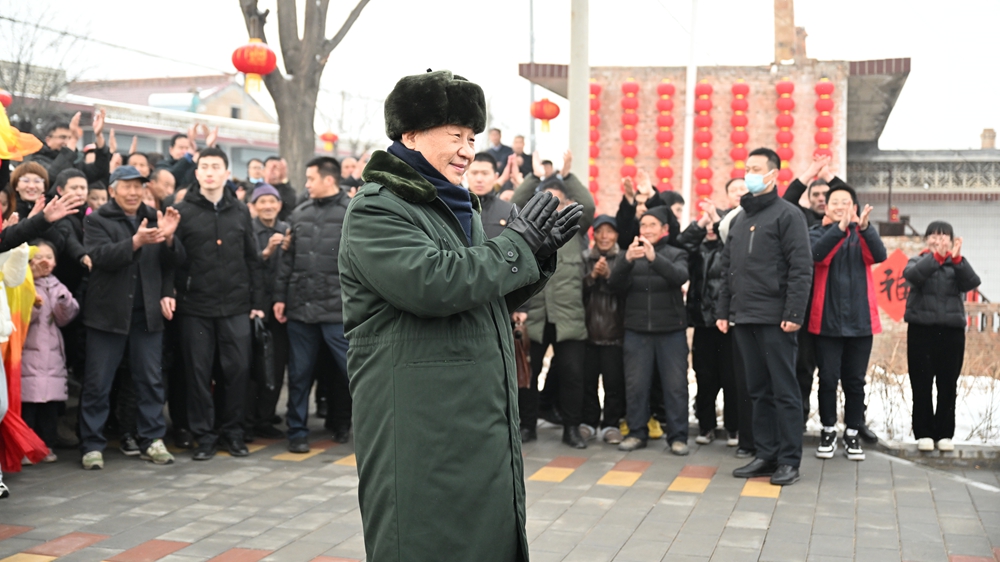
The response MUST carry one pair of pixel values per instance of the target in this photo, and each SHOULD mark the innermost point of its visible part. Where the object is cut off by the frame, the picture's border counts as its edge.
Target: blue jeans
(304, 341)
(669, 350)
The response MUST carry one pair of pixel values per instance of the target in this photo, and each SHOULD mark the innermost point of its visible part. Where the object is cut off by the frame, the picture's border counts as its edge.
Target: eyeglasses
(27, 180)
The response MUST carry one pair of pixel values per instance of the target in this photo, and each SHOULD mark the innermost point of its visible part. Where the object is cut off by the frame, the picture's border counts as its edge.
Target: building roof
(138, 91)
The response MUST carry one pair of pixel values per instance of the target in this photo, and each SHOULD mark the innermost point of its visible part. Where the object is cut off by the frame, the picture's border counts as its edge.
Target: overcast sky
(950, 96)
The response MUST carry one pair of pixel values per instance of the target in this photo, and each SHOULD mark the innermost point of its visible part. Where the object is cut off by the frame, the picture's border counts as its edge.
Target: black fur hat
(424, 101)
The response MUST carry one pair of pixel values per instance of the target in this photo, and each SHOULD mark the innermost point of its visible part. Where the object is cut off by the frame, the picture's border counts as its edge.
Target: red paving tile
(996, 553)
(241, 555)
(8, 531)
(149, 551)
(632, 466)
(760, 479)
(333, 559)
(695, 471)
(961, 558)
(567, 462)
(66, 544)
(323, 444)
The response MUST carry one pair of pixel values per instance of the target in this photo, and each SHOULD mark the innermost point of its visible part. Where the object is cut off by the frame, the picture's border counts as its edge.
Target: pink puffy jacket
(43, 361)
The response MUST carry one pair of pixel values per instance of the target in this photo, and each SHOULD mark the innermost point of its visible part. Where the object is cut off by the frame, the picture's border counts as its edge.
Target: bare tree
(304, 55)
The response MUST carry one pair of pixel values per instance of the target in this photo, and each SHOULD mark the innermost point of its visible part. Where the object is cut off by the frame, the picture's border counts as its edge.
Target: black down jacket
(603, 305)
(222, 275)
(707, 277)
(936, 289)
(494, 215)
(309, 278)
(654, 301)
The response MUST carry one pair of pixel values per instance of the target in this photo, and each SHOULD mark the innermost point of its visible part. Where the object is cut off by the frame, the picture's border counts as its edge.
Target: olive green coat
(432, 372)
(562, 300)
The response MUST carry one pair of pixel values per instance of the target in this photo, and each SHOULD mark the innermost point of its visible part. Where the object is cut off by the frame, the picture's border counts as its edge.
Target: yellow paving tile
(760, 489)
(688, 484)
(22, 557)
(349, 460)
(551, 474)
(619, 478)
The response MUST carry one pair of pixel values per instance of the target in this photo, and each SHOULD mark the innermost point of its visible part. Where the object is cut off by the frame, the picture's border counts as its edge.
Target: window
(235, 112)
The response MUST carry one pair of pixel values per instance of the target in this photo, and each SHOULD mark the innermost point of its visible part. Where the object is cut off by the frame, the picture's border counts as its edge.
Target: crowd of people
(158, 283)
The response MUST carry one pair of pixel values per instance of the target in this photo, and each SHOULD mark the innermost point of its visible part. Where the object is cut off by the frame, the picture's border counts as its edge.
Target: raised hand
(628, 189)
(647, 248)
(536, 165)
(168, 222)
(643, 183)
(75, 130)
(535, 221)
(192, 139)
(567, 163)
(211, 137)
(112, 142)
(505, 176)
(99, 117)
(146, 235)
(59, 207)
(635, 250)
(845, 220)
(956, 249)
(567, 224)
(116, 162)
(863, 220)
(134, 146)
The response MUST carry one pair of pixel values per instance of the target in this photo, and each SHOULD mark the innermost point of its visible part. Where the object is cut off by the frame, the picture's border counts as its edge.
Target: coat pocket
(440, 363)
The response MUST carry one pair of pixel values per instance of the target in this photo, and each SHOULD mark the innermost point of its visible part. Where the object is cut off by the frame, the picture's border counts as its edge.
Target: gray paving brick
(831, 545)
(691, 543)
(590, 553)
(783, 550)
(828, 525)
(730, 554)
(968, 545)
(914, 551)
(742, 538)
(876, 555)
(637, 550)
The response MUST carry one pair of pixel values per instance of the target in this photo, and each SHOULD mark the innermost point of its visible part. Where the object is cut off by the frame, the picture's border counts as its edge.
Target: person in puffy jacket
(935, 348)
(43, 362)
(844, 314)
(653, 272)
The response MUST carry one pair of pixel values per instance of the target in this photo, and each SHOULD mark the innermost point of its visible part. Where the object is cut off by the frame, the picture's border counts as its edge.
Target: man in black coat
(66, 234)
(307, 296)
(59, 151)
(276, 174)
(484, 182)
(768, 267)
(131, 290)
(219, 289)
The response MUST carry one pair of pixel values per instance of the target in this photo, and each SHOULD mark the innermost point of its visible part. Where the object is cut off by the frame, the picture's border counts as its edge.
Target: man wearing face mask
(768, 272)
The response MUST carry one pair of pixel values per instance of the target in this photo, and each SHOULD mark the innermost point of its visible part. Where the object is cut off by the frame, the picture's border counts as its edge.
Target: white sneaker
(587, 432)
(157, 453)
(705, 438)
(925, 444)
(945, 445)
(51, 457)
(4, 491)
(93, 460)
(733, 439)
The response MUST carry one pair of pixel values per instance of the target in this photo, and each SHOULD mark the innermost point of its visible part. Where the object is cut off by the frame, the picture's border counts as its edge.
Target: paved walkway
(592, 505)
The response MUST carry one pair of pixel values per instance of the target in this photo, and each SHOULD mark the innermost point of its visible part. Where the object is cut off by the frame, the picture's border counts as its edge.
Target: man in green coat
(427, 301)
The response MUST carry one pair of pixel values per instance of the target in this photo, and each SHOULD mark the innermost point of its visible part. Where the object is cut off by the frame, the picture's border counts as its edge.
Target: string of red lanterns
(630, 103)
(703, 138)
(739, 136)
(784, 121)
(664, 137)
(595, 122)
(824, 121)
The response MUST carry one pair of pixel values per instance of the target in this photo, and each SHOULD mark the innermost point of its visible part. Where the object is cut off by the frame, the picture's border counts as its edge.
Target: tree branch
(288, 36)
(330, 44)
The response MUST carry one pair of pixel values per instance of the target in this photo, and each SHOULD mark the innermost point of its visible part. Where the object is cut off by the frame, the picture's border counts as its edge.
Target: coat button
(513, 270)
(510, 254)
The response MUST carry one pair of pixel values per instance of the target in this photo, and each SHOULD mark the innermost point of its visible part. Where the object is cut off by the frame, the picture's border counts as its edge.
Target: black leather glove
(567, 224)
(535, 221)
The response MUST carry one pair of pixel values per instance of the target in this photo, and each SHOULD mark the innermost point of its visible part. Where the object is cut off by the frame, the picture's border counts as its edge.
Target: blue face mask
(755, 183)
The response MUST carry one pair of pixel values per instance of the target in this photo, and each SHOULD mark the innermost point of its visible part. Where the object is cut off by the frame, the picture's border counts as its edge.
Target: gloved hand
(535, 221)
(567, 224)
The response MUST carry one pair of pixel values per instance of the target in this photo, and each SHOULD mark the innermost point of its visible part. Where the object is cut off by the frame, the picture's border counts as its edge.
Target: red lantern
(664, 153)
(786, 104)
(702, 121)
(664, 136)
(595, 104)
(785, 154)
(594, 188)
(784, 137)
(630, 103)
(823, 137)
(628, 170)
(328, 139)
(702, 105)
(630, 87)
(629, 135)
(894, 214)
(703, 137)
(703, 173)
(595, 89)
(824, 122)
(664, 105)
(665, 89)
(545, 111)
(739, 121)
(823, 152)
(784, 121)
(785, 87)
(630, 119)
(594, 135)
(664, 172)
(595, 121)
(741, 89)
(737, 173)
(6, 98)
(703, 153)
(629, 151)
(594, 151)
(664, 120)
(824, 104)
(594, 171)
(703, 89)
(703, 189)
(739, 137)
(738, 154)
(785, 175)
(255, 59)
(739, 105)
(824, 88)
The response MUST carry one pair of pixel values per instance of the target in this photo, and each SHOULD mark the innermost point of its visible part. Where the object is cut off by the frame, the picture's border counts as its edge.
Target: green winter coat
(432, 372)
(562, 300)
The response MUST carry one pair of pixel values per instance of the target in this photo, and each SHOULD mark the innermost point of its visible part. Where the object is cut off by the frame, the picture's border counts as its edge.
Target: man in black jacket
(66, 234)
(59, 151)
(768, 268)
(131, 290)
(483, 182)
(307, 297)
(275, 174)
(219, 289)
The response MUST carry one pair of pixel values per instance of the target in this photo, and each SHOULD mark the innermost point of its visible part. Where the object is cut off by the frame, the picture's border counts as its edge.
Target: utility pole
(690, 84)
(531, 59)
(579, 85)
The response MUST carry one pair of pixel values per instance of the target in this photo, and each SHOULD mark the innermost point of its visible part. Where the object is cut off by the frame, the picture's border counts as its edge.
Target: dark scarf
(454, 196)
(752, 204)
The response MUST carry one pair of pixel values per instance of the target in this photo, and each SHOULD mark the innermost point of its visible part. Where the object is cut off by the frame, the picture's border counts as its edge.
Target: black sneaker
(528, 435)
(742, 453)
(204, 452)
(867, 435)
(852, 446)
(827, 444)
(128, 446)
(236, 446)
(785, 475)
(268, 432)
(299, 445)
(183, 439)
(4, 491)
(341, 434)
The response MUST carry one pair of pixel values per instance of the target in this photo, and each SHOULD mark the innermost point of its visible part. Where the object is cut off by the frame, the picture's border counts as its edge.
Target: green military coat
(432, 372)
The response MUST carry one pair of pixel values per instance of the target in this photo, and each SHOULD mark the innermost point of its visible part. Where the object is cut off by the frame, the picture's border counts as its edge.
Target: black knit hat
(424, 101)
(662, 214)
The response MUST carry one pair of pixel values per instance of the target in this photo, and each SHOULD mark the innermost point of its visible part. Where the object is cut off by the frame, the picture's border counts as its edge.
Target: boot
(572, 437)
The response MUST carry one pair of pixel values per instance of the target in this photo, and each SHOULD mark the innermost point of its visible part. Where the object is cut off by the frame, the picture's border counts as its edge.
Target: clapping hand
(566, 225)
(535, 221)
(956, 249)
(601, 268)
(168, 222)
(635, 250)
(863, 220)
(146, 235)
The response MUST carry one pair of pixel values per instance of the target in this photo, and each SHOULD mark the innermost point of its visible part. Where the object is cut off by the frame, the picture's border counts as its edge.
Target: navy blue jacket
(843, 301)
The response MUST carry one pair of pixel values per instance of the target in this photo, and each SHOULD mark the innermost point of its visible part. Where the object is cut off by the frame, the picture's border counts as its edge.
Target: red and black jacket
(843, 299)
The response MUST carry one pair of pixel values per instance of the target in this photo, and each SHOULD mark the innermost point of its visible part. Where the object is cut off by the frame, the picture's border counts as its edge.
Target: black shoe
(852, 447)
(236, 446)
(268, 432)
(757, 467)
(248, 436)
(298, 445)
(321, 408)
(128, 446)
(183, 439)
(204, 452)
(867, 435)
(742, 453)
(827, 444)
(341, 434)
(552, 416)
(572, 437)
(528, 435)
(785, 475)
(275, 419)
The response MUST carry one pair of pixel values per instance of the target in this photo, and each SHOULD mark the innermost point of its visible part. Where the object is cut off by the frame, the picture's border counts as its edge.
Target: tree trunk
(296, 136)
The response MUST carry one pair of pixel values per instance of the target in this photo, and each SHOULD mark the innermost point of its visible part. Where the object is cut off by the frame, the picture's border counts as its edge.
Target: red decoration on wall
(824, 122)
(665, 136)
(255, 59)
(545, 111)
(328, 138)
(784, 136)
(630, 103)
(702, 139)
(595, 121)
(739, 123)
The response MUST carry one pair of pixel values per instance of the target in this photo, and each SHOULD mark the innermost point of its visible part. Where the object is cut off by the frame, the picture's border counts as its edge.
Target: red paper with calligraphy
(890, 286)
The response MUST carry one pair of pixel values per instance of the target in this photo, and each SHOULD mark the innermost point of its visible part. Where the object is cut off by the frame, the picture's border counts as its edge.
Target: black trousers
(935, 355)
(604, 361)
(173, 370)
(843, 360)
(43, 418)
(201, 340)
(744, 404)
(712, 359)
(262, 403)
(769, 357)
(567, 362)
(805, 368)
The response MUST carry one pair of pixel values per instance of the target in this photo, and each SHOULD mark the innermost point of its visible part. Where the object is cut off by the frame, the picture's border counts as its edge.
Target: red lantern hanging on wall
(665, 121)
(329, 139)
(255, 59)
(595, 121)
(824, 122)
(784, 136)
(630, 103)
(545, 111)
(739, 123)
(6, 98)
(703, 138)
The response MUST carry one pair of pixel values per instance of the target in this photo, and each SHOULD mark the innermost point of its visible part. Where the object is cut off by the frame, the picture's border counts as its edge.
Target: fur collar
(398, 177)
